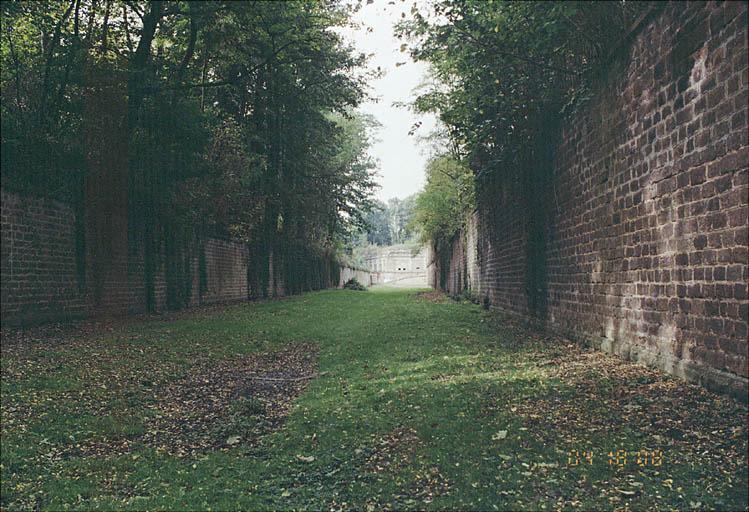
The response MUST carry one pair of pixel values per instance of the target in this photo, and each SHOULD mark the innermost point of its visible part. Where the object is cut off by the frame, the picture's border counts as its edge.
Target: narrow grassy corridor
(416, 402)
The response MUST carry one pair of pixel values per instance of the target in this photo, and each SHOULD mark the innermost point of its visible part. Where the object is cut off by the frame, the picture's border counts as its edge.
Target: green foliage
(354, 284)
(447, 197)
(399, 214)
(499, 67)
(390, 223)
(351, 182)
(378, 225)
(239, 118)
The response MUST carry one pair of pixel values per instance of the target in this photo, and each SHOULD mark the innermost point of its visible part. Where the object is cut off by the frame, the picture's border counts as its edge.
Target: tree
(500, 68)
(441, 208)
(378, 227)
(240, 120)
(390, 223)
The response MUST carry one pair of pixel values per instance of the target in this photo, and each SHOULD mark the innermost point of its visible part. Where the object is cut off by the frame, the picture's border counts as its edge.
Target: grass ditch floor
(340, 399)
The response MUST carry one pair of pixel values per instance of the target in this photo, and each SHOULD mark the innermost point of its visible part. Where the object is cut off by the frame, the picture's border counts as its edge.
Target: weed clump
(354, 284)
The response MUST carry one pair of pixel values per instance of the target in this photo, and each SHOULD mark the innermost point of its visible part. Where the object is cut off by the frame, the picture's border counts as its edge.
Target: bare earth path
(365, 400)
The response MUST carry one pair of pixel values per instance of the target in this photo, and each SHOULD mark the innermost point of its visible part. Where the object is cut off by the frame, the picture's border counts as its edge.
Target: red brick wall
(644, 223)
(39, 276)
(41, 281)
(226, 271)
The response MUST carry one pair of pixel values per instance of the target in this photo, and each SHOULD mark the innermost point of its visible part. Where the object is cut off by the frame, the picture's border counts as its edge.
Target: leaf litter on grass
(547, 394)
(212, 405)
(230, 402)
(595, 394)
(95, 390)
(393, 451)
(433, 296)
(396, 452)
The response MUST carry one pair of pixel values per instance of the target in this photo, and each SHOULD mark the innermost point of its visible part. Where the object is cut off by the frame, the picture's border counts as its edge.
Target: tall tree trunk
(142, 183)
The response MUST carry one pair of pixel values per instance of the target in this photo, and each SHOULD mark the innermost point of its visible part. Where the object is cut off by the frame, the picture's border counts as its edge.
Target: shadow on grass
(419, 404)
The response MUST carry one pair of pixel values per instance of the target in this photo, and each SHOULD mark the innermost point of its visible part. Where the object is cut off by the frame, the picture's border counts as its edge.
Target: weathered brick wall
(43, 279)
(135, 284)
(226, 272)
(39, 276)
(643, 244)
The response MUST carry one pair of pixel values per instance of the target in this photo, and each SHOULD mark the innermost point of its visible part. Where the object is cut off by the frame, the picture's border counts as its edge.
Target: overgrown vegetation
(440, 406)
(447, 197)
(499, 67)
(354, 284)
(232, 119)
(502, 73)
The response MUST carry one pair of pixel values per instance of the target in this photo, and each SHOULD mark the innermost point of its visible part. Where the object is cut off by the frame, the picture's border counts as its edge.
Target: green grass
(419, 404)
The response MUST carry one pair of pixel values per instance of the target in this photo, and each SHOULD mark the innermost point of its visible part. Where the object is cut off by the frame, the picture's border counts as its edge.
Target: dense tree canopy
(390, 223)
(239, 117)
(501, 74)
(498, 66)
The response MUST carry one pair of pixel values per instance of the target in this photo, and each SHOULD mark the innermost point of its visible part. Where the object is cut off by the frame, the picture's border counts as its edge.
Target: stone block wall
(637, 240)
(365, 277)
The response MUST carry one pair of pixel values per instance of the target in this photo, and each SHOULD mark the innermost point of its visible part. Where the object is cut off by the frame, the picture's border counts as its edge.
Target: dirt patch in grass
(232, 402)
(217, 405)
(432, 296)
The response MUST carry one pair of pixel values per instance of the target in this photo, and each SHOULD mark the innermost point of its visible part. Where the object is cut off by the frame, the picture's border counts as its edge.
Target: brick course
(39, 276)
(226, 272)
(644, 241)
(41, 280)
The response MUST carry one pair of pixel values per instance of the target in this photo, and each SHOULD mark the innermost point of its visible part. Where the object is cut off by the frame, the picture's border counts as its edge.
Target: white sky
(401, 157)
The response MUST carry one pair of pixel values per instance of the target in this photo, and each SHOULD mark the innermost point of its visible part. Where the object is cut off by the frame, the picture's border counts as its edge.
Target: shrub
(354, 284)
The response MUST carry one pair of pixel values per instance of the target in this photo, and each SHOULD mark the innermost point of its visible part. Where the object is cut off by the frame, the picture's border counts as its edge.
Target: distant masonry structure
(398, 264)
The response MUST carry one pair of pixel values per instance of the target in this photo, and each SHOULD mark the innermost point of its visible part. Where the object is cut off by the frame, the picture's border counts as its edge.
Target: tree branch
(142, 53)
(48, 59)
(494, 49)
(190, 51)
(126, 27)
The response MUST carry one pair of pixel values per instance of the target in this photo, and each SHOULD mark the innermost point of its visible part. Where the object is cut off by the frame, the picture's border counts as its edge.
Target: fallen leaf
(499, 435)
